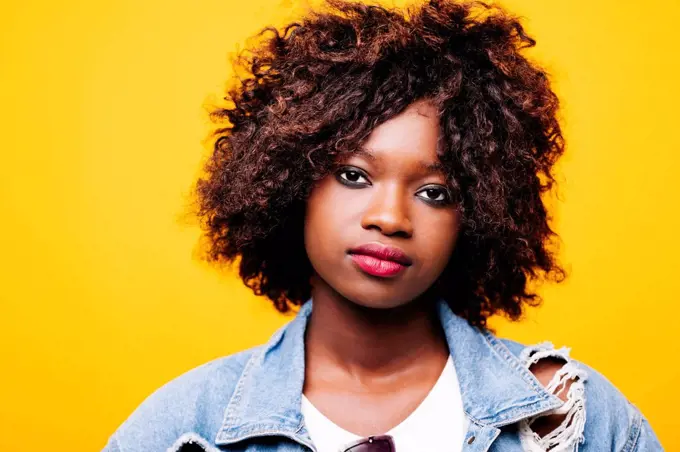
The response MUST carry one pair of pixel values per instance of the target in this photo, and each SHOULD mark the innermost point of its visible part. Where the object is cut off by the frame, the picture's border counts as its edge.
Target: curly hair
(314, 91)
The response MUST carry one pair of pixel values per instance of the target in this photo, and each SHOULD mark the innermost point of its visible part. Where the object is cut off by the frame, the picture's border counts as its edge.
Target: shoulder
(192, 403)
(608, 415)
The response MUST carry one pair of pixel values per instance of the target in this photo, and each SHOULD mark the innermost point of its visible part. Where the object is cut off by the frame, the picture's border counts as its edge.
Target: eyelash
(355, 184)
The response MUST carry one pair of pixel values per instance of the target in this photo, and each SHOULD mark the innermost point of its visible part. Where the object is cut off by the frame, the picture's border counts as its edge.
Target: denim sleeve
(645, 439)
(112, 445)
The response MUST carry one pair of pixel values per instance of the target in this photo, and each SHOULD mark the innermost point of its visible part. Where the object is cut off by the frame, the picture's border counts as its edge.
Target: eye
(352, 177)
(435, 195)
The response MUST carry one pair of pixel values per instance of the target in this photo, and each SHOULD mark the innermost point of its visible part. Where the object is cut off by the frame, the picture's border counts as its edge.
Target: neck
(363, 340)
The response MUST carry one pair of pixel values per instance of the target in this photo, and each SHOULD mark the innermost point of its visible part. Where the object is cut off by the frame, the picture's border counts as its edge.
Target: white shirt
(438, 424)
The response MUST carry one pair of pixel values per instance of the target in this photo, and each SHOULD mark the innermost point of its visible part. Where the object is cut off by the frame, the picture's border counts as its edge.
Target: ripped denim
(569, 433)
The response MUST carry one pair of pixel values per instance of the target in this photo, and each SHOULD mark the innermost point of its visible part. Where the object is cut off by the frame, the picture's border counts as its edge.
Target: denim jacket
(250, 401)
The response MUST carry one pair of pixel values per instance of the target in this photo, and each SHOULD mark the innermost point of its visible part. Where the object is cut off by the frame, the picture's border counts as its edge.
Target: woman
(383, 171)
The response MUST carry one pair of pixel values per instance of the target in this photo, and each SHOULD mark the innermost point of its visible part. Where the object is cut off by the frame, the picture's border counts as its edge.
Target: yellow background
(101, 126)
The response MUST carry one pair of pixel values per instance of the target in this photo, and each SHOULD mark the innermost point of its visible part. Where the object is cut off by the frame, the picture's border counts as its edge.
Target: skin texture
(374, 348)
(393, 199)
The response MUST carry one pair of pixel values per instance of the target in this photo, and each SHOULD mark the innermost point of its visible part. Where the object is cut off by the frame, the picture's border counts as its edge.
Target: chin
(377, 299)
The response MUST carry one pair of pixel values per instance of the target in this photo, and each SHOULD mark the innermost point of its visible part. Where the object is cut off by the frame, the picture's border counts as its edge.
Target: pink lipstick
(380, 260)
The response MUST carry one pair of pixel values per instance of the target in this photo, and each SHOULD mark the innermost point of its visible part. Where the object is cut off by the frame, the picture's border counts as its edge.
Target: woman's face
(381, 228)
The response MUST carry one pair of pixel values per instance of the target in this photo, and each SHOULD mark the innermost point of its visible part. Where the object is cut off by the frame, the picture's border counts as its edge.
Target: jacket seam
(236, 396)
(260, 433)
(635, 430)
(504, 353)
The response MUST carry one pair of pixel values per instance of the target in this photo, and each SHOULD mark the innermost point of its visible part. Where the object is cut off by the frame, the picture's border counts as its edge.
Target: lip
(378, 259)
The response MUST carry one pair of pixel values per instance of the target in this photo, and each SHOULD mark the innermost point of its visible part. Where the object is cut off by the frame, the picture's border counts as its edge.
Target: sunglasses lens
(373, 445)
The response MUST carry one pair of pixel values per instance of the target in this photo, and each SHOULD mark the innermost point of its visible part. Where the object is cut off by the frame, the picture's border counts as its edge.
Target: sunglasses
(382, 443)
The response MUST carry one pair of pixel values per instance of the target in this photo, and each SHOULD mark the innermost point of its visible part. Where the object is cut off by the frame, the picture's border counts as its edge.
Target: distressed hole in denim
(569, 433)
(191, 442)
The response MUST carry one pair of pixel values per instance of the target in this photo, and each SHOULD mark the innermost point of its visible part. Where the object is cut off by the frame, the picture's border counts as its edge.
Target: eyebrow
(435, 167)
(365, 153)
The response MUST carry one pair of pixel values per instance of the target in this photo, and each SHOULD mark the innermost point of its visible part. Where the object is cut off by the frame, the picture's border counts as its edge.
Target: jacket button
(471, 440)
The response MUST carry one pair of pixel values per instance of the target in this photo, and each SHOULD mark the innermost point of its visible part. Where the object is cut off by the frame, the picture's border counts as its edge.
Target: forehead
(410, 137)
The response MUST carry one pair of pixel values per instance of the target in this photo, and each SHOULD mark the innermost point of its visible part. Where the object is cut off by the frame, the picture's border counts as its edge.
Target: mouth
(380, 260)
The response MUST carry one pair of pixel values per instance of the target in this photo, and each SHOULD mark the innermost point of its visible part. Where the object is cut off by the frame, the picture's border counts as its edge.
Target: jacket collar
(496, 387)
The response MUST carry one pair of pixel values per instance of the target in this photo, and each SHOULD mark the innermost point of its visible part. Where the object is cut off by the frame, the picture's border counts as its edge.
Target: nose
(388, 212)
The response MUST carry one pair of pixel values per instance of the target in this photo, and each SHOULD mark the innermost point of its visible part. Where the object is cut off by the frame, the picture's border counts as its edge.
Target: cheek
(325, 219)
(318, 214)
(438, 235)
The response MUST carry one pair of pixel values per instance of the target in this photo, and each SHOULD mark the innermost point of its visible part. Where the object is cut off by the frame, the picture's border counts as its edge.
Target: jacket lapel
(496, 387)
